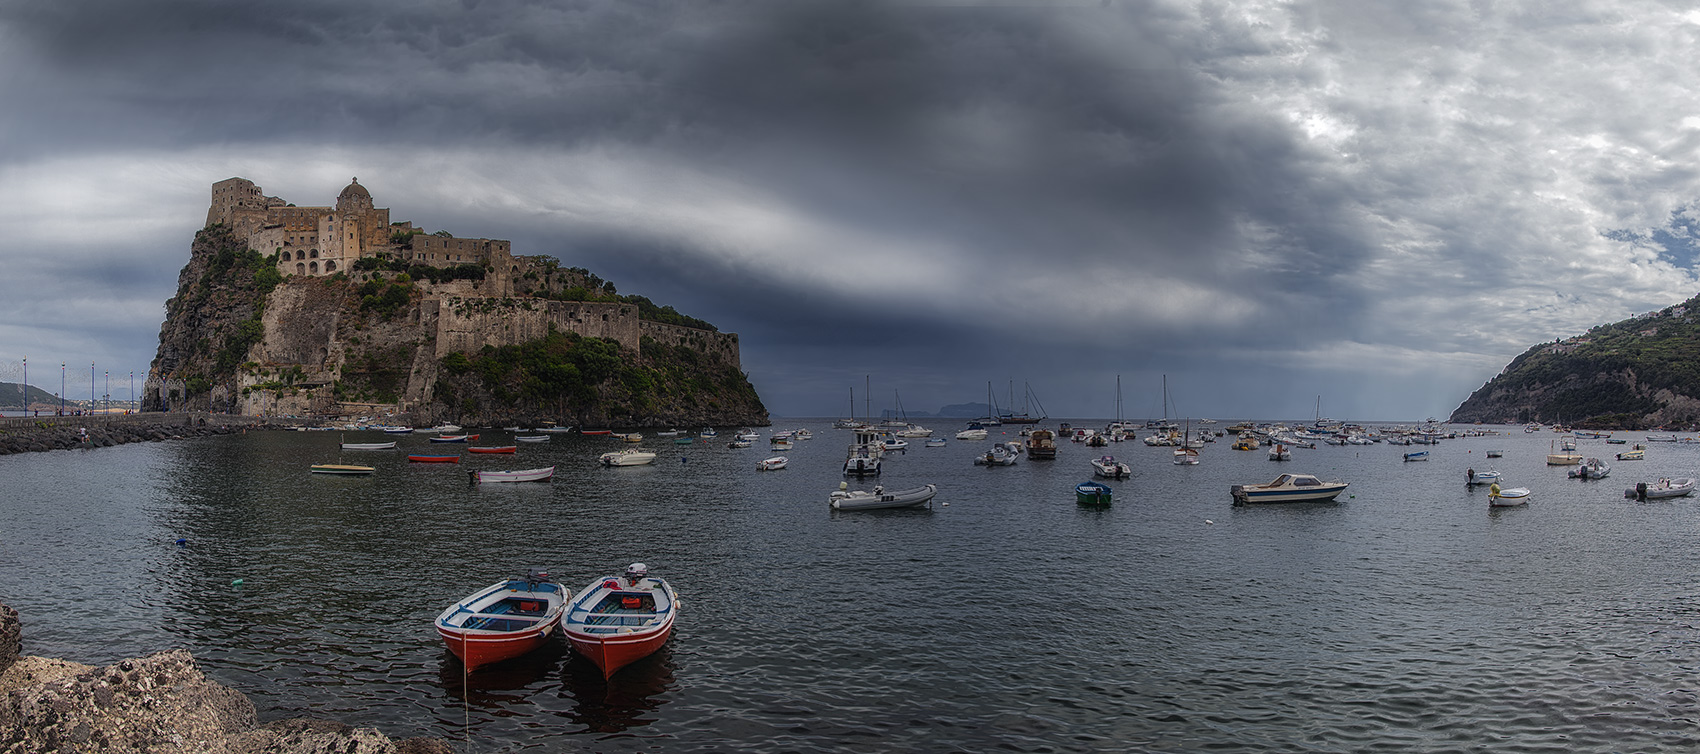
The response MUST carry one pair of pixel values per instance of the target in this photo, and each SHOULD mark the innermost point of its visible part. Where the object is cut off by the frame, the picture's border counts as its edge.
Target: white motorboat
(1471, 476)
(895, 444)
(1110, 468)
(1279, 452)
(1509, 498)
(972, 434)
(446, 429)
(997, 456)
(880, 497)
(628, 457)
(1287, 488)
(914, 432)
(1663, 488)
(526, 475)
(748, 435)
(1186, 456)
(937, 442)
(771, 464)
(863, 460)
(1592, 468)
(739, 443)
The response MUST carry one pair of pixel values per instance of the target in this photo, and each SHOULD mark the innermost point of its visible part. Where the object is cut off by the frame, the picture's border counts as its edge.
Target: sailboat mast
(867, 396)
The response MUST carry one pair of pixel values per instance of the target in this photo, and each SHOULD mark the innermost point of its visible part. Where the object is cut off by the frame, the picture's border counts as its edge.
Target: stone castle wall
(720, 345)
(469, 324)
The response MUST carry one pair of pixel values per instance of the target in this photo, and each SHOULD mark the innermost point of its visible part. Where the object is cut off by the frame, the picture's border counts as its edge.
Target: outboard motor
(636, 572)
(1641, 491)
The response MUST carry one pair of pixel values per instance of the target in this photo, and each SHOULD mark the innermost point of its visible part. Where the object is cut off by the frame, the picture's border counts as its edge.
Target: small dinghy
(1509, 498)
(617, 621)
(453, 438)
(369, 445)
(997, 456)
(526, 475)
(1420, 455)
(1092, 493)
(343, 469)
(937, 442)
(739, 443)
(433, 459)
(494, 449)
(1663, 488)
(1592, 468)
(861, 500)
(771, 464)
(1471, 476)
(532, 438)
(504, 620)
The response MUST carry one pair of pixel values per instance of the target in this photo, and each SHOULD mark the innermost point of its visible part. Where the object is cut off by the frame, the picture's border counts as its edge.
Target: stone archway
(300, 269)
(313, 267)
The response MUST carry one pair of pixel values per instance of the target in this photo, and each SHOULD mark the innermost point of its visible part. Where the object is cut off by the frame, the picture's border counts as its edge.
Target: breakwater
(30, 434)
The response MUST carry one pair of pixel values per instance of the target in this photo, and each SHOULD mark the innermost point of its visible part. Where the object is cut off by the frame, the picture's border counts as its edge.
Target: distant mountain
(966, 410)
(11, 394)
(1639, 373)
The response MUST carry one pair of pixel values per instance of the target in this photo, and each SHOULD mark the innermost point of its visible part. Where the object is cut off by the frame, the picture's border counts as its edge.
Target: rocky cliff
(1640, 373)
(428, 347)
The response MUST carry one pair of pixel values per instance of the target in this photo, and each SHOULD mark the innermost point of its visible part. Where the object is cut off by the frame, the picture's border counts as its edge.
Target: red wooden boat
(619, 620)
(504, 620)
(596, 431)
(494, 449)
(434, 459)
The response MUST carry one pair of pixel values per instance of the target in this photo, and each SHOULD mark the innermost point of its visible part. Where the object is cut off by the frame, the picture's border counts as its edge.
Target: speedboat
(1420, 455)
(971, 434)
(1287, 488)
(936, 442)
(526, 475)
(895, 443)
(1592, 468)
(617, 621)
(1110, 468)
(748, 435)
(504, 620)
(1663, 488)
(627, 457)
(771, 464)
(861, 500)
(1471, 476)
(1279, 452)
(997, 456)
(1092, 493)
(1509, 498)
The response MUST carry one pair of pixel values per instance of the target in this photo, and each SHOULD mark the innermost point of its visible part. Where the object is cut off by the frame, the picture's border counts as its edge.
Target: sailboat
(993, 417)
(1118, 430)
(850, 422)
(1165, 423)
(899, 419)
(1026, 416)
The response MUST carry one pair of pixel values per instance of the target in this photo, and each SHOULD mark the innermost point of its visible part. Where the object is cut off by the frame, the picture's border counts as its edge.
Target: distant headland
(338, 311)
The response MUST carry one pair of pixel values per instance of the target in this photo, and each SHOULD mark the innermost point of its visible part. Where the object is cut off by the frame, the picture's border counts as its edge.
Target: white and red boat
(504, 620)
(619, 620)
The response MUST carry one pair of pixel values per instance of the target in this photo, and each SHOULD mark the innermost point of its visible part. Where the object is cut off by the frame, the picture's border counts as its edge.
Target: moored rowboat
(344, 469)
(494, 449)
(616, 621)
(527, 475)
(434, 459)
(502, 621)
(369, 445)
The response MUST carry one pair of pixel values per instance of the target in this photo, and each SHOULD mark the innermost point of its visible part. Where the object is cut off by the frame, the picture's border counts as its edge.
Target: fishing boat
(1186, 456)
(396, 430)
(433, 459)
(1663, 488)
(369, 445)
(504, 620)
(1471, 476)
(747, 435)
(530, 438)
(627, 457)
(863, 458)
(771, 464)
(596, 431)
(669, 433)
(1110, 468)
(493, 449)
(526, 475)
(555, 430)
(1495, 454)
(616, 621)
(997, 456)
(453, 438)
(445, 429)
(1592, 468)
(1509, 498)
(1638, 453)
(1564, 454)
(897, 444)
(708, 432)
(1287, 488)
(1417, 455)
(632, 437)
(1092, 493)
(1041, 445)
(343, 469)
(861, 500)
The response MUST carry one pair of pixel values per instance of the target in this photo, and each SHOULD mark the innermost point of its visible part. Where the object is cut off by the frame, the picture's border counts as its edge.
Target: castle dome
(355, 196)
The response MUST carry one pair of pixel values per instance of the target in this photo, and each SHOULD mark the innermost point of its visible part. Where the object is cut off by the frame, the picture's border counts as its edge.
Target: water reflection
(622, 702)
(484, 687)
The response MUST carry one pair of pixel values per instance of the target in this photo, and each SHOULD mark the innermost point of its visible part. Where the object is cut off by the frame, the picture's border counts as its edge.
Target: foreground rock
(161, 704)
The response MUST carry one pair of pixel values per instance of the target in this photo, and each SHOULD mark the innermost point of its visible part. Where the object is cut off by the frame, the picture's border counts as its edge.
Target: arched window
(286, 256)
(330, 266)
(313, 267)
(300, 269)
(314, 253)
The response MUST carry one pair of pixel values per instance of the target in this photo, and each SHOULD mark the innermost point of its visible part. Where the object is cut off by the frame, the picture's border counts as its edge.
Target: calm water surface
(1406, 616)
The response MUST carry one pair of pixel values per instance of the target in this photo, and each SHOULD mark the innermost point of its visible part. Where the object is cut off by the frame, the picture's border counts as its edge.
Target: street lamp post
(107, 396)
(92, 403)
(61, 388)
(134, 406)
(26, 386)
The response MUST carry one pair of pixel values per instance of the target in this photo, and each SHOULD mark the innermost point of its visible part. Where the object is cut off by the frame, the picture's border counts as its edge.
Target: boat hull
(528, 475)
(433, 459)
(476, 651)
(504, 449)
(614, 639)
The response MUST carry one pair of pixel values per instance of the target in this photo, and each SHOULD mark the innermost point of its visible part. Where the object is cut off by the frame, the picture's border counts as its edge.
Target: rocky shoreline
(64, 433)
(161, 703)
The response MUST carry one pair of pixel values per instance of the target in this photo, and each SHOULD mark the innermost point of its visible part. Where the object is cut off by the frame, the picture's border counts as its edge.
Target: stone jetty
(161, 703)
(37, 434)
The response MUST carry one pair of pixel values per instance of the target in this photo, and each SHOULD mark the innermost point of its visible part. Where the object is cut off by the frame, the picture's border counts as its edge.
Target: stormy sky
(1374, 206)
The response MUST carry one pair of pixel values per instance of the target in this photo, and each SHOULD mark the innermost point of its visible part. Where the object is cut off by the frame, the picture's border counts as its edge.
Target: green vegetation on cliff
(1638, 373)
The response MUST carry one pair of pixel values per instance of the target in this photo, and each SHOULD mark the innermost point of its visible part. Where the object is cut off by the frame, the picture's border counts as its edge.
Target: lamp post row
(105, 401)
